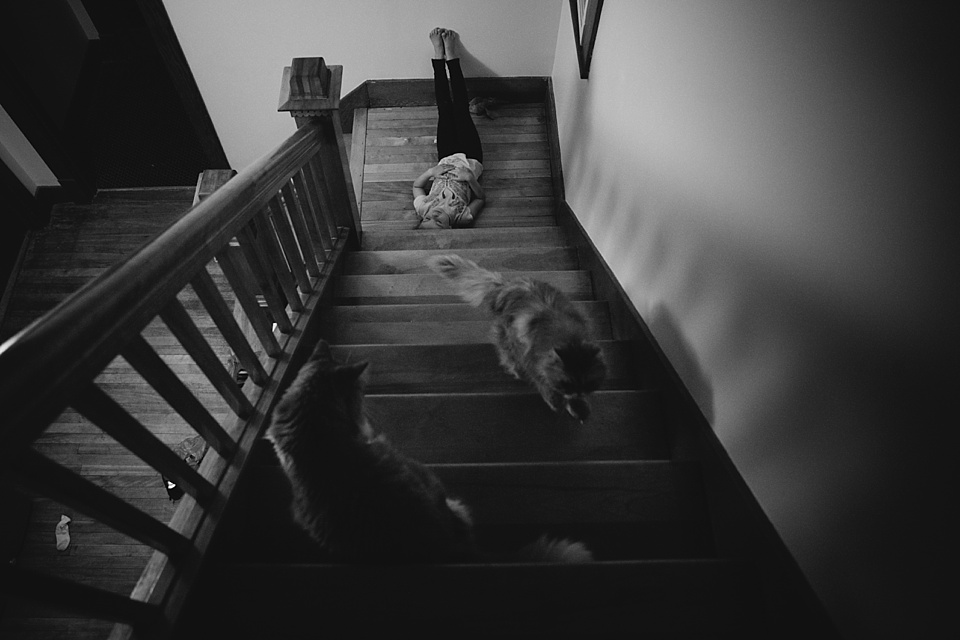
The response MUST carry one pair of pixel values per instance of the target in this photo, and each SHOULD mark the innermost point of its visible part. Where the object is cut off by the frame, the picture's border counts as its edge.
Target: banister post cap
(310, 88)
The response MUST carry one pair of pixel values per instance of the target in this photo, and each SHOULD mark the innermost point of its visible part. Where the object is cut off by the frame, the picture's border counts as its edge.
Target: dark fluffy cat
(540, 335)
(356, 495)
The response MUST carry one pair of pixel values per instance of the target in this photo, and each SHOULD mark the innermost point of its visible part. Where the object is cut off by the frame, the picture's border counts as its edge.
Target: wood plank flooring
(81, 242)
(401, 144)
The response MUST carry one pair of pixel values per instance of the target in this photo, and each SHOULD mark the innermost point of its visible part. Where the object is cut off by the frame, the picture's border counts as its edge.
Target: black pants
(456, 132)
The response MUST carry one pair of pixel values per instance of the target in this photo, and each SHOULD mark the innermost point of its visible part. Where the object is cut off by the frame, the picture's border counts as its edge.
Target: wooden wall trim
(358, 147)
(356, 99)
(418, 92)
(741, 527)
(553, 138)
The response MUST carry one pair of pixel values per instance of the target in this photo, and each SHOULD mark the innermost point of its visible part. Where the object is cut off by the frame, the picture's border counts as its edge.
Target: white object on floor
(63, 533)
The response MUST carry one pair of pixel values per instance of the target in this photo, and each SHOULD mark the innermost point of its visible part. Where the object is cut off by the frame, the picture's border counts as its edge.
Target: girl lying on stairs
(455, 197)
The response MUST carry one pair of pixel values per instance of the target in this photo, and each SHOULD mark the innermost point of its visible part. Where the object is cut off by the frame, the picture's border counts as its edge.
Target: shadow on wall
(664, 326)
(472, 67)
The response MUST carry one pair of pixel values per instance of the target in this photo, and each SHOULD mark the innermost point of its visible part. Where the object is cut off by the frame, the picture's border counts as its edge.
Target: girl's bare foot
(436, 37)
(451, 44)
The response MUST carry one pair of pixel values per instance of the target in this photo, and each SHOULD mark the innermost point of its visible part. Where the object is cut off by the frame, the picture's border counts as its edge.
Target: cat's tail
(552, 550)
(475, 284)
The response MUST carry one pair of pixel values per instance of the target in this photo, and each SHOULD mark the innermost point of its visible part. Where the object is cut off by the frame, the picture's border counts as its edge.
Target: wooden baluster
(301, 229)
(209, 181)
(39, 475)
(311, 210)
(307, 186)
(281, 214)
(231, 262)
(259, 264)
(182, 326)
(236, 328)
(216, 306)
(165, 382)
(313, 174)
(102, 410)
(273, 253)
(311, 93)
(317, 187)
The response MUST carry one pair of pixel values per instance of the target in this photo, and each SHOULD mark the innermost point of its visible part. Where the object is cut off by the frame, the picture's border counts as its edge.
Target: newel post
(311, 93)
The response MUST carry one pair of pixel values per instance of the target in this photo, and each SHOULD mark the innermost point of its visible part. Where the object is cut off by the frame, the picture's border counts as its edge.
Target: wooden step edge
(409, 261)
(479, 428)
(542, 493)
(412, 368)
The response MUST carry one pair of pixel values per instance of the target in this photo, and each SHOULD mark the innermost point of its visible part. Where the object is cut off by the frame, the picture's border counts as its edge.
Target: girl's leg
(468, 140)
(446, 122)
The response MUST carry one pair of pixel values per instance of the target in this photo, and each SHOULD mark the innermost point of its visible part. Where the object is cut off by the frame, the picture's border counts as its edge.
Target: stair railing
(276, 230)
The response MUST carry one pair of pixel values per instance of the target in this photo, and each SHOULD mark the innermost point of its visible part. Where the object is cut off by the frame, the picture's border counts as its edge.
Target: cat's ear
(321, 351)
(354, 370)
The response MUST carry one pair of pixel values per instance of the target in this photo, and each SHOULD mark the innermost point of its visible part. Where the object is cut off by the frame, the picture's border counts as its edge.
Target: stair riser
(576, 284)
(474, 428)
(468, 368)
(423, 333)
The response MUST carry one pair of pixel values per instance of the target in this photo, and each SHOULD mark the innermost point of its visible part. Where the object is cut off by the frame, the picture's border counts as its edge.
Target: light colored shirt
(452, 195)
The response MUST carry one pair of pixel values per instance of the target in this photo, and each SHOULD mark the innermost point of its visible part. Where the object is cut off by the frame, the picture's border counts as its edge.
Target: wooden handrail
(276, 231)
(59, 352)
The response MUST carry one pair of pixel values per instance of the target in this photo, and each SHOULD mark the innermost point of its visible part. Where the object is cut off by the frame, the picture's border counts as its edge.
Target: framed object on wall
(586, 16)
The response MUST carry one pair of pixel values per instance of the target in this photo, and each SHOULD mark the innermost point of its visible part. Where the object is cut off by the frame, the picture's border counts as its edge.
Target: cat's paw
(578, 408)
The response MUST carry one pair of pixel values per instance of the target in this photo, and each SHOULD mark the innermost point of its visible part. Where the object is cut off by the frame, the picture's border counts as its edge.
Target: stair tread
(491, 427)
(429, 287)
(406, 223)
(382, 239)
(619, 509)
(425, 332)
(435, 368)
(415, 260)
(606, 491)
(709, 598)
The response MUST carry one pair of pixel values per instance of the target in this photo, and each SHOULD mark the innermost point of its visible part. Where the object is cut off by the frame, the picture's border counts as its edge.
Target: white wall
(237, 50)
(768, 182)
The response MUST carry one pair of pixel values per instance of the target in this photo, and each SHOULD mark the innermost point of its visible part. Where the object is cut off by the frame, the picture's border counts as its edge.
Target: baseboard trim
(741, 528)
(418, 92)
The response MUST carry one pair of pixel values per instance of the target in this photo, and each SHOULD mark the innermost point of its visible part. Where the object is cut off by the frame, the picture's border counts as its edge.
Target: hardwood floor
(81, 242)
(401, 144)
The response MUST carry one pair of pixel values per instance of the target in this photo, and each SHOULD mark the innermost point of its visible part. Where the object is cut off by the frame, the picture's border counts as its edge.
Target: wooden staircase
(437, 392)
(682, 549)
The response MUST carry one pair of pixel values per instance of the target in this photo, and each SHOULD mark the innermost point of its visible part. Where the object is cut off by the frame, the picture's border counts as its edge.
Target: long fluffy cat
(539, 334)
(357, 496)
